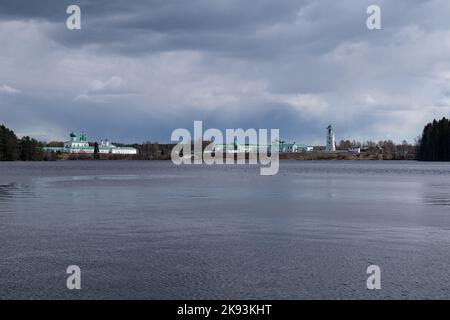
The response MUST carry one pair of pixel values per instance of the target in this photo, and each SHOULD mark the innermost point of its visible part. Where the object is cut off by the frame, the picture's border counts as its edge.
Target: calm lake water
(152, 230)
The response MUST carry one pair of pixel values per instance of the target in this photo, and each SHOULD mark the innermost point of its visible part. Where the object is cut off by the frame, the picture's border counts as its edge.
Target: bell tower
(331, 141)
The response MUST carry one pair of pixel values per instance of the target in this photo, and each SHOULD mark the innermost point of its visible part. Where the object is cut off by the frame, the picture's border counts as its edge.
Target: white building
(331, 141)
(75, 145)
(355, 149)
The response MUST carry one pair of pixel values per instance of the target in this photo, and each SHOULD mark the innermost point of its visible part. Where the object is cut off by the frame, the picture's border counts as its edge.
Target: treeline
(386, 150)
(25, 149)
(29, 149)
(434, 145)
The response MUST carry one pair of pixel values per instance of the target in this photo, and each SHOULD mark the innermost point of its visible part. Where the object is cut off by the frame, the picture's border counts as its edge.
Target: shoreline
(281, 158)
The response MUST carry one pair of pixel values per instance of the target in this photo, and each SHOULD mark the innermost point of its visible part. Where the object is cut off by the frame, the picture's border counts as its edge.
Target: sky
(137, 70)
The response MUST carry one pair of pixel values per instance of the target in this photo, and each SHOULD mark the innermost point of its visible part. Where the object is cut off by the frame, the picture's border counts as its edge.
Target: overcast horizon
(137, 71)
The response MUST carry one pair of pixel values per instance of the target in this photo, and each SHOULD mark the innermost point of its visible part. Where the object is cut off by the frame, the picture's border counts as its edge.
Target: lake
(153, 230)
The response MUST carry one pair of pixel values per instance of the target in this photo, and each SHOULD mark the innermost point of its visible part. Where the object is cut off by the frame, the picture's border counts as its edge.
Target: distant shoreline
(292, 156)
(337, 156)
(28, 149)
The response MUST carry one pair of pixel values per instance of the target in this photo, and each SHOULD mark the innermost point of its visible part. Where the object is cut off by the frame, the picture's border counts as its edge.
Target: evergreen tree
(12, 148)
(30, 149)
(96, 151)
(434, 144)
(9, 146)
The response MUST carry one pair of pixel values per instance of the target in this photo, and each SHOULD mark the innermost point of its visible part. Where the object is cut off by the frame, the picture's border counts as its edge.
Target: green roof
(53, 148)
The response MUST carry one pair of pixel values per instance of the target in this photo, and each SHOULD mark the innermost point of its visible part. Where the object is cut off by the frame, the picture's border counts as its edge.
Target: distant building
(75, 145)
(293, 147)
(236, 148)
(287, 147)
(355, 149)
(331, 141)
(305, 148)
(281, 146)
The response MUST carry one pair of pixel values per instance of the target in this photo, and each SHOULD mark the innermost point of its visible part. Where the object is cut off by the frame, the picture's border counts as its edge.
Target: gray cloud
(136, 71)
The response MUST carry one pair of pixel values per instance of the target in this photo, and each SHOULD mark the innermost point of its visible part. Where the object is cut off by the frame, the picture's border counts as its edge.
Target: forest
(434, 145)
(25, 149)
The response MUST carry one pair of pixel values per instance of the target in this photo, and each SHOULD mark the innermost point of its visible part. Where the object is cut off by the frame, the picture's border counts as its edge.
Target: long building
(81, 145)
(281, 146)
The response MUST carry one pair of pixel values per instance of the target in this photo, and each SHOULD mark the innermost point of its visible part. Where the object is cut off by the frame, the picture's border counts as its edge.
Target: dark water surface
(152, 230)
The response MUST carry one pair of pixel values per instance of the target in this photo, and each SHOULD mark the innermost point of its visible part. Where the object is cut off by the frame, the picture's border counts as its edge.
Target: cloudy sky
(137, 70)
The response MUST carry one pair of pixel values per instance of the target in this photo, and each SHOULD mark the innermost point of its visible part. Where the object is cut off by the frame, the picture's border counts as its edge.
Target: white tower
(331, 142)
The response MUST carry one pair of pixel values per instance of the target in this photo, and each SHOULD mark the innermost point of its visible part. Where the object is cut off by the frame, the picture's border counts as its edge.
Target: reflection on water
(15, 191)
(149, 229)
(7, 190)
(439, 200)
(437, 194)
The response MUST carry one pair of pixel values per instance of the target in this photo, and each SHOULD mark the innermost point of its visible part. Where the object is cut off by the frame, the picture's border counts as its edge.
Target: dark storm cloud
(141, 27)
(241, 28)
(138, 69)
(162, 14)
(51, 10)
